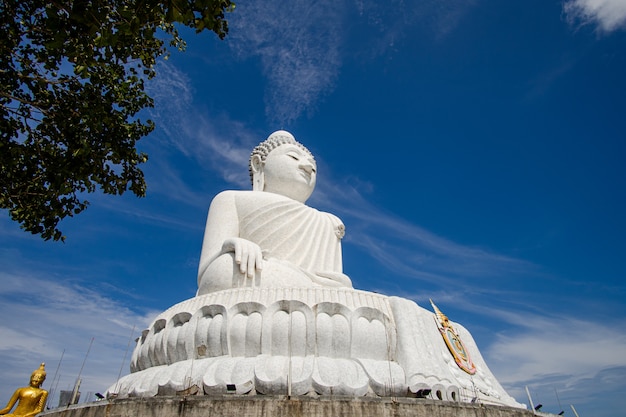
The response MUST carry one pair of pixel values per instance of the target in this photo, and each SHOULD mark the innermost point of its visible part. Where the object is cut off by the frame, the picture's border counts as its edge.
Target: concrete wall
(259, 406)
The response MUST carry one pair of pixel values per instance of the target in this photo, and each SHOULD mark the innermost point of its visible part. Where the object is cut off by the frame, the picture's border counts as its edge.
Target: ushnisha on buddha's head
(281, 165)
(38, 376)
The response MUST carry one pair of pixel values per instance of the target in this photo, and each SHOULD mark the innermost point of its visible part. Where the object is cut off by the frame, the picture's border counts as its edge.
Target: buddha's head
(281, 165)
(38, 376)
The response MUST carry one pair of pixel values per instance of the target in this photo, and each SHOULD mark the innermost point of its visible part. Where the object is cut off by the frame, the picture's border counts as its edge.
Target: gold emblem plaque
(453, 342)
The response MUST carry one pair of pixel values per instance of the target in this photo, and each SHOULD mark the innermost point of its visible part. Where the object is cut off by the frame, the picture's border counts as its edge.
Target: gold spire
(443, 319)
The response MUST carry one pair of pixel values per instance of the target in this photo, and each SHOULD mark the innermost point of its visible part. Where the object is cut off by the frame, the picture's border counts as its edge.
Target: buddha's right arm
(222, 223)
(221, 236)
(11, 402)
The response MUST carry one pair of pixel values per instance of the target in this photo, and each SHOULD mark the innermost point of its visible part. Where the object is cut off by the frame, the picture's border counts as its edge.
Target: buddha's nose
(307, 166)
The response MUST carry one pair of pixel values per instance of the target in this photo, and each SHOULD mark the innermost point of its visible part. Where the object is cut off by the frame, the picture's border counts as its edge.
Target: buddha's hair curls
(280, 137)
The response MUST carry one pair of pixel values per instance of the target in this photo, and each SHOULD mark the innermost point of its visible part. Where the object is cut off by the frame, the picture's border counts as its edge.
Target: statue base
(281, 406)
(304, 341)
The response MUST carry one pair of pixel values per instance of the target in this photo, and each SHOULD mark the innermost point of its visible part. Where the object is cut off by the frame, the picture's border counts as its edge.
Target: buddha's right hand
(247, 255)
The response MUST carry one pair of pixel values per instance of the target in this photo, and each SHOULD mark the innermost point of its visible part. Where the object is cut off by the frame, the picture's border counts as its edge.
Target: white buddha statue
(275, 314)
(268, 237)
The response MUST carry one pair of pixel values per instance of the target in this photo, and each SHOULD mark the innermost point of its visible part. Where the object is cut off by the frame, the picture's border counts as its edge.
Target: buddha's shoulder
(229, 194)
(248, 197)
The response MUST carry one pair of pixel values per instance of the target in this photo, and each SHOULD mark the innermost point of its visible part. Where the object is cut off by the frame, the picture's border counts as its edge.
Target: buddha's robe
(293, 232)
(301, 246)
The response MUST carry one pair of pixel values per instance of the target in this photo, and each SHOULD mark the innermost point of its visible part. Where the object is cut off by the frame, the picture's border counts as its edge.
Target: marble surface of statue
(275, 314)
(30, 400)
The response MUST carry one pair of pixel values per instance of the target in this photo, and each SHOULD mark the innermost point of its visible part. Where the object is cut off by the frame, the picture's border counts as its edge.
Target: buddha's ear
(258, 178)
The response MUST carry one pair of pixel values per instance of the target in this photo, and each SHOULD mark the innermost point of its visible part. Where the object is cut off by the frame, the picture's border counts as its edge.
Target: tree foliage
(71, 85)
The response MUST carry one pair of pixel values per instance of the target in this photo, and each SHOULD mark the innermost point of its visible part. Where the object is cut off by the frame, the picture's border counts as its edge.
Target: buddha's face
(36, 380)
(290, 171)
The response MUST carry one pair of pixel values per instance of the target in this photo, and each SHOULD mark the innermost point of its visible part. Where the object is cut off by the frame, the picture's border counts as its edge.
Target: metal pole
(54, 390)
(73, 400)
(530, 400)
(85, 360)
(558, 399)
(58, 366)
(77, 385)
(53, 386)
(574, 410)
(119, 375)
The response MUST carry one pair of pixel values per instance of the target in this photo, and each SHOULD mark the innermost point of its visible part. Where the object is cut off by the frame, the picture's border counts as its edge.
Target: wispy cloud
(395, 21)
(408, 250)
(577, 358)
(607, 15)
(217, 144)
(561, 345)
(44, 319)
(302, 47)
(299, 47)
(165, 179)
(540, 84)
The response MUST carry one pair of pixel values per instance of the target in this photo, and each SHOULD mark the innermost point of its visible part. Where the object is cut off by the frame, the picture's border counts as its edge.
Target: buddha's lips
(306, 174)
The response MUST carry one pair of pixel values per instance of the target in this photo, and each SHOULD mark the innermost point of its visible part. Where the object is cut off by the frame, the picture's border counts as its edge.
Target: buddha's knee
(221, 274)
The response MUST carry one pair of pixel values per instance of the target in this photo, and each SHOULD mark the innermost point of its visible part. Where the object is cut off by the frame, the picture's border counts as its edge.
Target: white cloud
(561, 345)
(300, 51)
(44, 320)
(217, 143)
(608, 15)
(298, 46)
(170, 89)
(577, 358)
(302, 46)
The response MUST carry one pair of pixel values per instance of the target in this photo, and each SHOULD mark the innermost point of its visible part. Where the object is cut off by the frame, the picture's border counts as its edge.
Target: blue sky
(475, 150)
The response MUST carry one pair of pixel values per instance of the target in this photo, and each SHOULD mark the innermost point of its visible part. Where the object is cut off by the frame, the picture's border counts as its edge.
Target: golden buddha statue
(32, 399)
